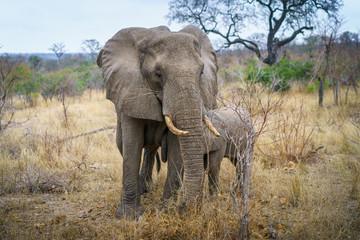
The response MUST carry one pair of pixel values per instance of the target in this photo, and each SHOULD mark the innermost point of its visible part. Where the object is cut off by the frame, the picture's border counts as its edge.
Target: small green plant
(310, 88)
(315, 86)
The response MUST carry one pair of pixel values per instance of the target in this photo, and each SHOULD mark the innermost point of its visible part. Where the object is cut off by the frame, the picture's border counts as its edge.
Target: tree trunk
(322, 80)
(271, 58)
(336, 91)
(321, 90)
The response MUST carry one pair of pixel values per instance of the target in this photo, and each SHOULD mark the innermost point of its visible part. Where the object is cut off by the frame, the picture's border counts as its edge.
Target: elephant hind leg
(119, 135)
(175, 171)
(146, 181)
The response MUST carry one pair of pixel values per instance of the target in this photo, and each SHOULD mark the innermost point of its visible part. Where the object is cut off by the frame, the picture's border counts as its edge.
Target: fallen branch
(29, 132)
(89, 133)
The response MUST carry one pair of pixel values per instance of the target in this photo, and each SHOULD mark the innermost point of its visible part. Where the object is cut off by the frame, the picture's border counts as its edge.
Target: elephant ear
(125, 85)
(209, 88)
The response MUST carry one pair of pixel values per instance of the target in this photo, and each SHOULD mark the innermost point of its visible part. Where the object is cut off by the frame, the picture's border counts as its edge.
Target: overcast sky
(32, 26)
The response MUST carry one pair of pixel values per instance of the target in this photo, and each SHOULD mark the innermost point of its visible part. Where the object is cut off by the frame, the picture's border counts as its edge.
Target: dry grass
(55, 189)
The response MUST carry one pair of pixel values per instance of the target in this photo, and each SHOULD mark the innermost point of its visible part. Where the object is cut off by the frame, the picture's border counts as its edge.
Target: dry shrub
(213, 221)
(50, 148)
(39, 155)
(36, 180)
(261, 105)
(355, 181)
(291, 139)
(349, 125)
(35, 167)
(306, 204)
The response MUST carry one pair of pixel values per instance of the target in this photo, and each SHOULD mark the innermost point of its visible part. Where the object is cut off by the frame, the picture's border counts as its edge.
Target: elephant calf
(235, 128)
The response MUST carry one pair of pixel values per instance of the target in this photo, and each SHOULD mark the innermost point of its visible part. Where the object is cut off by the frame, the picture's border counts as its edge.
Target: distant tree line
(33, 76)
(327, 59)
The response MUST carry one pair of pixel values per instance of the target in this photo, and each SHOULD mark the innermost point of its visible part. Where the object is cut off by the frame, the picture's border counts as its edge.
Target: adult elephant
(158, 79)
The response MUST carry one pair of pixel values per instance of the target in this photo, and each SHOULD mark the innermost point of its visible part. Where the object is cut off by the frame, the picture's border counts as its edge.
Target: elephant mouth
(176, 131)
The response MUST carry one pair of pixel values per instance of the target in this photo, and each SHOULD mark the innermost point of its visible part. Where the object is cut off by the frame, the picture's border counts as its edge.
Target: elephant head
(160, 75)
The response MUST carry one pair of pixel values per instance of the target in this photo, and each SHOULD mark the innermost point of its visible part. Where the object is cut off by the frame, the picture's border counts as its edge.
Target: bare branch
(93, 47)
(58, 49)
(293, 36)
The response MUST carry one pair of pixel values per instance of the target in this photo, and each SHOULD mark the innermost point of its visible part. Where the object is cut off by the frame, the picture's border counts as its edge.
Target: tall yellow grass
(56, 189)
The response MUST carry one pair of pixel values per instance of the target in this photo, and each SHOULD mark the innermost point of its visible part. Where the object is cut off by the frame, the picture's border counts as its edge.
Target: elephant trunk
(186, 114)
(191, 150)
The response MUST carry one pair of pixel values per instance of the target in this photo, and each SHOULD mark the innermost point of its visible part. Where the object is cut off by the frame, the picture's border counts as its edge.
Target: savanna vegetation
(60, 169)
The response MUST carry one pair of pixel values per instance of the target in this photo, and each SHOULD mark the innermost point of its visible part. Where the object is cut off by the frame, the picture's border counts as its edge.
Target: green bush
(62, 82)
(29, 88)
(28, 85)
(91, 77)
(278, 75)
(294, 70)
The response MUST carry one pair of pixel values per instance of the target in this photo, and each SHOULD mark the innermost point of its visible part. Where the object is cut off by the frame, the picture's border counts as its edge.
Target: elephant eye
(158, 73)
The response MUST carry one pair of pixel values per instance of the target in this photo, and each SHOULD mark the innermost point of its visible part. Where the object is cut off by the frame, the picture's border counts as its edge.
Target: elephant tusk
(173, 129)
(211, 127)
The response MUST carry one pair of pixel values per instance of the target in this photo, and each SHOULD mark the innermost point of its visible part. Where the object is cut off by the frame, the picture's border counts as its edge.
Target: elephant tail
(164, 148)
(158, 163)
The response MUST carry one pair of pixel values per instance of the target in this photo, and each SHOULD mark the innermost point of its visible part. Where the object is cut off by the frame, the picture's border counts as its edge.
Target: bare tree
(349, 52)
(93, 47)
(327, 31)
(58, 49)
(229, 19)
(8, 77)
(261, 105)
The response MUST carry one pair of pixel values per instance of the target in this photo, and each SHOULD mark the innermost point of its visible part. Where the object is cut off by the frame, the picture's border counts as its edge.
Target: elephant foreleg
(132, 136)
(215, 159)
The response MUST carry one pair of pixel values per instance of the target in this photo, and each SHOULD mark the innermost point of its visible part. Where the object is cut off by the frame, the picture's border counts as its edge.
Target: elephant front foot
(129, 211)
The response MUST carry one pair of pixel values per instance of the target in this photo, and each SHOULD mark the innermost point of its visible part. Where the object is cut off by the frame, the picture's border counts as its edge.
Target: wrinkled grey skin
(233, 126)
(150, 156)
(149, 74)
